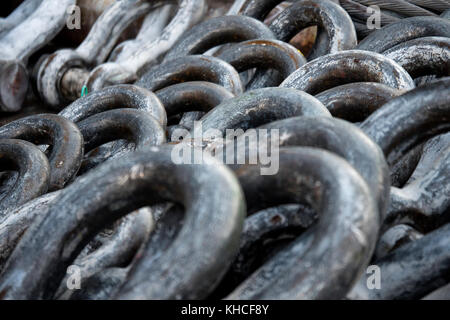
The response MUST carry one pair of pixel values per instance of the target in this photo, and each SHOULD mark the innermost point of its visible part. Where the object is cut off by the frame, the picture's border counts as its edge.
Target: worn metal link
(193, 149)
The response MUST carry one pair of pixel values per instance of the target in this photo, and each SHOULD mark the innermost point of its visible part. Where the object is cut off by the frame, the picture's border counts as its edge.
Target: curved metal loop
(344, 139)
(264, 233)
(92, 51)
(355, 102)
(324, 13)
(192, 68)
(128, 59)
(18, 41)
(61, 134)
(182, 100)
(338, 193)
(34, 173)
(394, 238)
(264, 54)
(120, 96)
(114, 247)
(116, 188)
(110, 98)
(402, 169)
(423, 56)
(217, 31)
(405, 30)
(192, 96)
(137, 126)
(424, 200)
(17, 221)
(408, 120)
(106, 284)
(261, 106)
(408, 273)
(264, 230)
(260, 10)
(347, 67)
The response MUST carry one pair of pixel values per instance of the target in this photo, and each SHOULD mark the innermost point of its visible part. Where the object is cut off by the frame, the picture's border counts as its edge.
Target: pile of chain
(93, 204)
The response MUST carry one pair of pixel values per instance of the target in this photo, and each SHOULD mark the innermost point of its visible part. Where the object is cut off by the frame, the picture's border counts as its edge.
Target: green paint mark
(84, 91)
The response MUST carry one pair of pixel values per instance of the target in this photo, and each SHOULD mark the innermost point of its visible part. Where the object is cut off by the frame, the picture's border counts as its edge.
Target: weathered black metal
(264, 54)
(407, 272)
(33, 173)
(110, 98)
(120, 96)
(16, 222)
(327, 183)
(62, 135)
(217, 31)
(138, 127)
(394, 238)
(347, 67)
(261, 106)
(111, 191)
(264, 230)
(423, 202)
(114, 247)
(144, 207)
(423, 56)
(192, 96)
(341, 34)
(192, 68)
(344, 139)
(356, 101)
(405, 121)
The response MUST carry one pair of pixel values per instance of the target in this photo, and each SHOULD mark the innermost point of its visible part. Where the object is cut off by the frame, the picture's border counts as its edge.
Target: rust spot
(276, 219)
